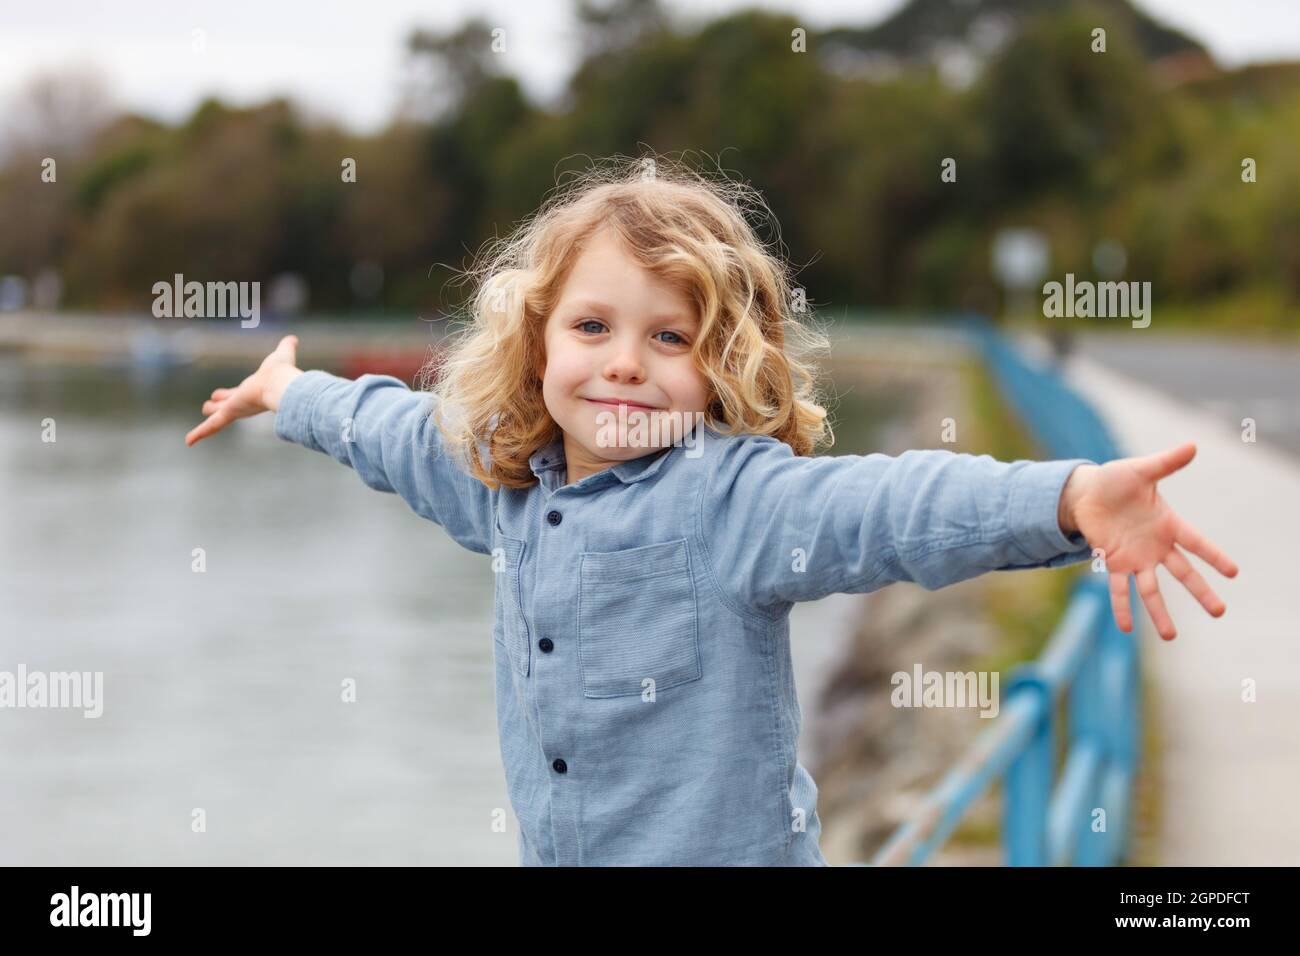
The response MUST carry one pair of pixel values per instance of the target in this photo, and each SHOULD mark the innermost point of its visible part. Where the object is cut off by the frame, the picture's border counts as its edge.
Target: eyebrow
(594, 305)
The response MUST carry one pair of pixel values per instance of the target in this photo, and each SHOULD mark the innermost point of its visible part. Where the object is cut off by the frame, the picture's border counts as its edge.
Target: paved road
(1231, 379)
(1231, 767)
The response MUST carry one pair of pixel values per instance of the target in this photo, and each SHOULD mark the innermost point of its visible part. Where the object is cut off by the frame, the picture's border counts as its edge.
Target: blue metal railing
(1083, 815)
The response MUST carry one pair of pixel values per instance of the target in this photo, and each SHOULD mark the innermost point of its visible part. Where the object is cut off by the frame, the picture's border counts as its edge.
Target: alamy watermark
(75, 908)
(211, 300)
(60, 689)
(1103, 300)
(656, 429)
(946, 689)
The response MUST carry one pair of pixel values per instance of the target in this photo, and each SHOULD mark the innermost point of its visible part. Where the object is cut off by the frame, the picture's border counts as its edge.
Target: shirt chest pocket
(637, 620)
(507, 558)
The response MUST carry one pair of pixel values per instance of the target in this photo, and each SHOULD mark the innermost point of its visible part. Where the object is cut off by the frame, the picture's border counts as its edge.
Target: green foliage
(1062, 117)
(1085, 146)
(109, 173)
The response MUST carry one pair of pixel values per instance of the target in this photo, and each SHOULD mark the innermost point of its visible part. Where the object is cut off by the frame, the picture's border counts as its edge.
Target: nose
(625, 366)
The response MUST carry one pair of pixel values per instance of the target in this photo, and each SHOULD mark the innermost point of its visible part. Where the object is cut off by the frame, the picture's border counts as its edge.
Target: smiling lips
(615, 403)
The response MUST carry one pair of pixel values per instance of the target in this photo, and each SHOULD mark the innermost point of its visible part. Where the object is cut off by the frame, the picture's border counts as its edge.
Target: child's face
(618, 332)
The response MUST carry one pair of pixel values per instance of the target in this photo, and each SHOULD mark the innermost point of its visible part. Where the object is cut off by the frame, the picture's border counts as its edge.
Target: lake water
(222, 689)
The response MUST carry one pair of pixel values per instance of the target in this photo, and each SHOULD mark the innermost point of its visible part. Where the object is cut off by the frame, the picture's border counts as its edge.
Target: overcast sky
(343, 58)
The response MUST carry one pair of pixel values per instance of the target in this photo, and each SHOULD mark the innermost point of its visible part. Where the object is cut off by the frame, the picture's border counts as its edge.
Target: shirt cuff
(297, 401)
(1033, 508)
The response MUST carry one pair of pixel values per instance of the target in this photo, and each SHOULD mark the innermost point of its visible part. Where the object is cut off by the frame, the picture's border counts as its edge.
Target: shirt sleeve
(386, 433)
(781, 528)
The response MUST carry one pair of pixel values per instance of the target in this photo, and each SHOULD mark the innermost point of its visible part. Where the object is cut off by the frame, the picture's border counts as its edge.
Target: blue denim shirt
(645, 697)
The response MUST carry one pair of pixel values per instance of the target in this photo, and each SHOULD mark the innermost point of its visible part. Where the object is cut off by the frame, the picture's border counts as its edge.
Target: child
(645, 700)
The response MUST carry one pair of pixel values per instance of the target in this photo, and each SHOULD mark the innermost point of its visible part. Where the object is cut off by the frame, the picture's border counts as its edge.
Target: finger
(221, 393)
(1149, 589)
(211, 425)
(1182, 569)
(1119, 602)
(1157, 466)
(288, 349)
(1205, 549)
(210, 406)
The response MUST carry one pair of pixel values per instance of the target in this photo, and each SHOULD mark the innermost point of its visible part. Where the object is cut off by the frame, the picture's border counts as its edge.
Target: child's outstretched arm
(375, 424)
(781, 528)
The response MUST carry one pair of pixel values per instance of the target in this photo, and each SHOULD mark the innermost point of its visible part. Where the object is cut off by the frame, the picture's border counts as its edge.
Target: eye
(582, 326)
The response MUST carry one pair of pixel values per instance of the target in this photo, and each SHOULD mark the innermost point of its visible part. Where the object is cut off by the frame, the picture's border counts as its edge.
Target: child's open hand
(258, 393)
(1117, 508)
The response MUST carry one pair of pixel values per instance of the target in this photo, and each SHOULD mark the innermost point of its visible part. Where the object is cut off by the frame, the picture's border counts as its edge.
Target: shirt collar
(547, 458)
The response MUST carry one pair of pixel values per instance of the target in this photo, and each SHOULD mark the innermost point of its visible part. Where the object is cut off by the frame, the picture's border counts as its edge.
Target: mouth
(609, 403)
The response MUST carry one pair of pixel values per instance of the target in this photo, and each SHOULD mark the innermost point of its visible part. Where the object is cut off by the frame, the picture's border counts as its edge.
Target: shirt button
(559, 765)
(554, 517)
(546, 645)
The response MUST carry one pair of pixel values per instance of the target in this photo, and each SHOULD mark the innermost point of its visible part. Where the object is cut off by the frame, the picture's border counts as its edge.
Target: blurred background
(208, 139)
(216, 141)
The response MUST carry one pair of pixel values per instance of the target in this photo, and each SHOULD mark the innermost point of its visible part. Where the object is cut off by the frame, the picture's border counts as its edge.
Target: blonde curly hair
(690, 230)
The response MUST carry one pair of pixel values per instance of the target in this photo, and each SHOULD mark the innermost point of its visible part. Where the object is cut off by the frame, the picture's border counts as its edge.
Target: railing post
(1027, 786)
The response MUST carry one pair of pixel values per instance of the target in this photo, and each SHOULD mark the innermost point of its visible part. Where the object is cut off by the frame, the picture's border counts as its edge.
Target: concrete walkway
(1231, 768)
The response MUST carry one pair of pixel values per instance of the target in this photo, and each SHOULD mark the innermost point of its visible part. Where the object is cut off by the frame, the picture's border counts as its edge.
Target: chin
(620, 452)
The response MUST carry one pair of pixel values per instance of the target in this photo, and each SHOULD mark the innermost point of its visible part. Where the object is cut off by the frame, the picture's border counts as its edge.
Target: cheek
(688, 387)
(564, 371)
